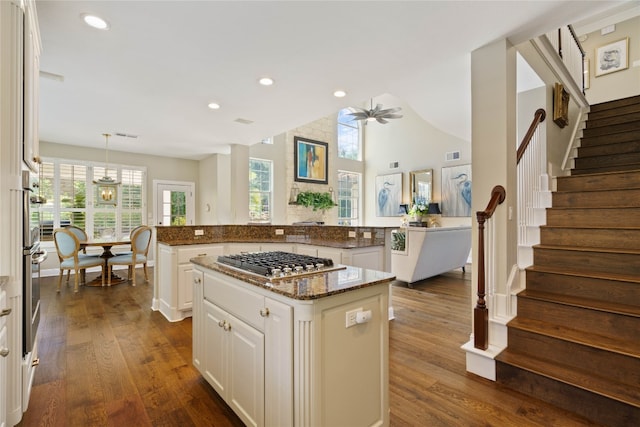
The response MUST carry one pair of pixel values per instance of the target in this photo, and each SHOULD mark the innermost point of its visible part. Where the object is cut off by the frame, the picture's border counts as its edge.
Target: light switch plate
(199, 232)
(352, 234)
(366, 234)
(279, 231)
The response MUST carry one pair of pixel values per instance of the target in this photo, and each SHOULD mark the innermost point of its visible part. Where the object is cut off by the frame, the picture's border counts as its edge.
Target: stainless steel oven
(32, 257)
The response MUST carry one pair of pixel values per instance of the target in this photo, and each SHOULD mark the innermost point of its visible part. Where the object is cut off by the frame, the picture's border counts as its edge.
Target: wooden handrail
(538, 118)
(480, 312)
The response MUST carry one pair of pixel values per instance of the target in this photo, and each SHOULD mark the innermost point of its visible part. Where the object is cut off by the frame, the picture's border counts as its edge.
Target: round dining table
(106, 244)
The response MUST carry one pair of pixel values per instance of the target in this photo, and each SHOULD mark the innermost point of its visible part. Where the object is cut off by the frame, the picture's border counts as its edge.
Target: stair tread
(589, 339)
(589, 249)
(586, 380)
(581, 273)
(601, 227)
(576, 301)
(597, 190)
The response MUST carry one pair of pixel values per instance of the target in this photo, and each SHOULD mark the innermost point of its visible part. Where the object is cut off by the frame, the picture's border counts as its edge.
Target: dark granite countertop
(309, 287)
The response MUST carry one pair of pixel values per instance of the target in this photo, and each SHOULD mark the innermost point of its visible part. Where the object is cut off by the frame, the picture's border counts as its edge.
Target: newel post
(480, 312)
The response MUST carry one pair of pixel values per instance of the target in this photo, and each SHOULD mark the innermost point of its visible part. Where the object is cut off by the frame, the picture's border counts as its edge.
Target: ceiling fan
(376, 113)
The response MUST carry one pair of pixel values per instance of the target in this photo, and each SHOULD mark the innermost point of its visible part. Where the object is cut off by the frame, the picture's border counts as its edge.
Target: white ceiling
(154, 72)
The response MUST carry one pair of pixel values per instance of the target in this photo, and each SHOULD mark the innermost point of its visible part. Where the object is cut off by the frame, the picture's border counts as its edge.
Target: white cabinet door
(234, 362)
(198, 320)
(245, 391)
(366, 258)
(278, 360)
(185, 286)
(215, 359)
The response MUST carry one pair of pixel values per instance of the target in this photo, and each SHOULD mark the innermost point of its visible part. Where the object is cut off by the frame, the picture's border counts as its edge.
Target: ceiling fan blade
(392, 116)
(381, 120)
(376, 110)
(390, 110)
(359, 116)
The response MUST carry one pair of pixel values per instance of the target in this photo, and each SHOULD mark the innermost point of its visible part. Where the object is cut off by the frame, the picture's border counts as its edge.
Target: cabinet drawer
(238, 301)
(185, 254)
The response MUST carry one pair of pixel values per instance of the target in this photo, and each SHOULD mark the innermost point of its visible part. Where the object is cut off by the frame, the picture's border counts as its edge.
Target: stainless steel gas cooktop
(277, 264)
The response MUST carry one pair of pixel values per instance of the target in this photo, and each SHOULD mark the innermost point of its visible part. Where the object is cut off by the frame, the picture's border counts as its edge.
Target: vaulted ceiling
(154, 71)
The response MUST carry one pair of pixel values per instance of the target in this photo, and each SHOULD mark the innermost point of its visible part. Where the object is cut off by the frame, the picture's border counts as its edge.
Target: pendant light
(107, 186)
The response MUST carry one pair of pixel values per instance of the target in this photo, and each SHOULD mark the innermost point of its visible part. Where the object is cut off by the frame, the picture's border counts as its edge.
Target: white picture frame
(612, 57)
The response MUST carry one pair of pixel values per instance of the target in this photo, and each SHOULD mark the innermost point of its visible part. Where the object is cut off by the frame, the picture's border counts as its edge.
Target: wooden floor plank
(107, 359)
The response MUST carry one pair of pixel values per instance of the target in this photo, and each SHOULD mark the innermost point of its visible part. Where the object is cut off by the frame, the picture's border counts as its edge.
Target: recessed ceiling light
(95, 21)
(339, 94)
(213, 105)
(266, 81)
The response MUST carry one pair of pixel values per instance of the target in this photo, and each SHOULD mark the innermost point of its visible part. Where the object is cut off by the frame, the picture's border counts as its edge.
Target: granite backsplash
(323, 235)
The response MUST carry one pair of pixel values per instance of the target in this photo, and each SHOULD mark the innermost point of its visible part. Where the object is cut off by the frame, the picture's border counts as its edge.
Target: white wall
(415, 144)
(620, 84)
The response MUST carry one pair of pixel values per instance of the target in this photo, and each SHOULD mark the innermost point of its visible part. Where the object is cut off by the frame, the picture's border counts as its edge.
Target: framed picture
(560, 105)
(456, 191)
(311, 160)
(612, 57)
(388, 194)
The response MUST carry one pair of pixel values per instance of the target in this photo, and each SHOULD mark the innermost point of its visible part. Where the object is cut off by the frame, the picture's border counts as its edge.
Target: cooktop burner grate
(277, 264)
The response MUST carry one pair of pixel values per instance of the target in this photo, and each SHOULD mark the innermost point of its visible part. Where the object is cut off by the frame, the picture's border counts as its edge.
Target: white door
(174, 203)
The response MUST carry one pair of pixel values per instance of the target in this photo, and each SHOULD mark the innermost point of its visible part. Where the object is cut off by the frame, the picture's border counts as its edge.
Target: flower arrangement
(419, 209)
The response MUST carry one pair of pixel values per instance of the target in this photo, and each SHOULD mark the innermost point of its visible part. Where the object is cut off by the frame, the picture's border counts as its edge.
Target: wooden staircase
(576, 339)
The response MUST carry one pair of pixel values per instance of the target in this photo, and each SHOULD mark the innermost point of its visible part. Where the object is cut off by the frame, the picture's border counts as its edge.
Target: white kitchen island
(280, 352)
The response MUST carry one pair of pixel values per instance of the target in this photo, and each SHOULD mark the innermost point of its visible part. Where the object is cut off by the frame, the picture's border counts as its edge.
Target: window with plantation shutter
(71, 198)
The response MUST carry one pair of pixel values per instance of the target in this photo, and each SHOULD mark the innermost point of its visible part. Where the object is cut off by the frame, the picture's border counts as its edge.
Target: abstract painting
(311, 160)
(456, 191)
(388, 194)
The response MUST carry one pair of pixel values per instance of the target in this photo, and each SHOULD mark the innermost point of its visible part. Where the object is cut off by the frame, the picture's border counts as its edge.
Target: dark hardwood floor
(107, 359)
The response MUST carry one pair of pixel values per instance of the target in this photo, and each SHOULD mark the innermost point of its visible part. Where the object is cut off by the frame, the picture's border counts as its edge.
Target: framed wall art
(388, 194)
(560, 105)
(311, 160)
(612, 57)
(456, 191)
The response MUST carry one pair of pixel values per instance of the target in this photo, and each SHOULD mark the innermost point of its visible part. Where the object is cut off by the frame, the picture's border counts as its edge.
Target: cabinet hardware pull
(4, 352)
(35, 362)
(197, 280)
(227, 326)
(204, 254)
(5, 312)
(264, 312)
(221, 323)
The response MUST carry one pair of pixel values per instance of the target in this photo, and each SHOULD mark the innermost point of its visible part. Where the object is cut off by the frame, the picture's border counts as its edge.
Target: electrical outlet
(366, 234)
(351, 317)
(199, 232)
(352, 234)
(279, 231)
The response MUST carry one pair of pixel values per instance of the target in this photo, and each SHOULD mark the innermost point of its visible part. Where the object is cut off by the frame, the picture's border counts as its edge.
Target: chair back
(140, 239)
(79, 232)
(67, 243)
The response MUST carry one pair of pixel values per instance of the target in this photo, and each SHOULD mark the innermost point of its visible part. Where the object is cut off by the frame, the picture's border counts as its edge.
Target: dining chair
(68, 248)
(83, 237)
(140, 240)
